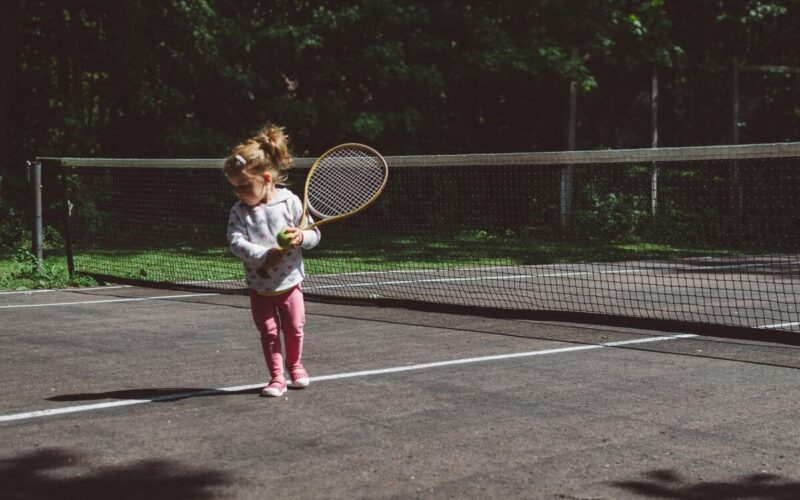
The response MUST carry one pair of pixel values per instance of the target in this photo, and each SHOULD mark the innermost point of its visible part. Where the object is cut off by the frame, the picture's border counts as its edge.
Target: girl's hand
(296, 236)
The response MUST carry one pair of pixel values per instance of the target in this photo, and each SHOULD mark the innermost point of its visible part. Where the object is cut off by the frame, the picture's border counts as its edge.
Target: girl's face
(251, 189)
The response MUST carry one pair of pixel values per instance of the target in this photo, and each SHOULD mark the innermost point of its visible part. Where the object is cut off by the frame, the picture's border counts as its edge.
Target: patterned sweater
(252, 231)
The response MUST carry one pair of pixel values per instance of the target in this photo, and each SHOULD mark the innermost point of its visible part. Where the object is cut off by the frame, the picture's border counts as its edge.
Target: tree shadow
(155, 395)
(781, 266)
(59, 473)
(670, 484)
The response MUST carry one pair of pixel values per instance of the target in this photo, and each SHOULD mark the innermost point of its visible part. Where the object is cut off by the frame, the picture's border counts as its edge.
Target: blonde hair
(267, 151)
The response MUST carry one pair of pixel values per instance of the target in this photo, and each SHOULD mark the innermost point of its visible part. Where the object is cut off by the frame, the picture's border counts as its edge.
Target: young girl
(257, 169)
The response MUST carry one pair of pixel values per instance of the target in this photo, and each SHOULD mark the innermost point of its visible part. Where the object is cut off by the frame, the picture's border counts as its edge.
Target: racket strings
(338, 199)
(353, 191)
(344, 182)
(325, 203)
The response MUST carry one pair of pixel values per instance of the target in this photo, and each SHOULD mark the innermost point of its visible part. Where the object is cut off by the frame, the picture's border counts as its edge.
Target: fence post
(68, 223)
(35, 178)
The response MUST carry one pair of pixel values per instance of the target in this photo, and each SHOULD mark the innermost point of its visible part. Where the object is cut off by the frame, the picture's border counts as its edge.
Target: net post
(35, 179)
(67, 213)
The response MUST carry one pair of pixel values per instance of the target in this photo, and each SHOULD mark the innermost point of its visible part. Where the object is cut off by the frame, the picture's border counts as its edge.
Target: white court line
(339, 376)
(108, 301)
(778, 325)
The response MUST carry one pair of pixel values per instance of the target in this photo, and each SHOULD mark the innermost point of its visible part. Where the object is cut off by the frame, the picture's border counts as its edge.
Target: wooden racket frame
(349, 145)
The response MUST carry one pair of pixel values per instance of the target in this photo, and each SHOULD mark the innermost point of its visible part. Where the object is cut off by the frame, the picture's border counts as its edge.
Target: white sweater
(252, 231)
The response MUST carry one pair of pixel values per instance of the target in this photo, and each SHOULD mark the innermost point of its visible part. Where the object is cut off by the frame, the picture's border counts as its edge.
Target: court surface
(154, 394)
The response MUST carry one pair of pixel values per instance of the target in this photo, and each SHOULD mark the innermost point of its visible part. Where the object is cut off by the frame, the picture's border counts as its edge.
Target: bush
(22, 271)
(13, 229)
(612, 217)
(13, 233)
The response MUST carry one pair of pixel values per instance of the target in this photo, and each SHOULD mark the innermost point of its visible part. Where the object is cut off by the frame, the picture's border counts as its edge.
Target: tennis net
(705, 235)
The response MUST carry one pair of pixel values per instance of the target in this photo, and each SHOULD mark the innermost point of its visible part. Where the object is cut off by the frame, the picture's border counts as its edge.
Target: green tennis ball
(285, 239)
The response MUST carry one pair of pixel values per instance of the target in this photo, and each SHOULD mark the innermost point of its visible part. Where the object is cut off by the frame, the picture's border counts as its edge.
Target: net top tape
(678, 154)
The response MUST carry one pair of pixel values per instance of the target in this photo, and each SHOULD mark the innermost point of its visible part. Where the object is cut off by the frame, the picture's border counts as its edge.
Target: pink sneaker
(276, 387)
(299, 377)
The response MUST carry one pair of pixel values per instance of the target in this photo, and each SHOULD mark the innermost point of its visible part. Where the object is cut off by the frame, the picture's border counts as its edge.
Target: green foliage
(12, 229)
(20, 270)
(190, 78)
(368, 125)
(613, 217)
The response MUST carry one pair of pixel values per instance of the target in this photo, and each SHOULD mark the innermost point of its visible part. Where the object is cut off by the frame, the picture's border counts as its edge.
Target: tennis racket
(342, 182)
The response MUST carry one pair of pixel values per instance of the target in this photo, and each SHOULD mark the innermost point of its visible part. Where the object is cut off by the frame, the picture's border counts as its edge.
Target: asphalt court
(403, 404)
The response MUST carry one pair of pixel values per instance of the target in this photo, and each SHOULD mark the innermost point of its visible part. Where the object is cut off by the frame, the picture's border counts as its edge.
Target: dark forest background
(180, 78)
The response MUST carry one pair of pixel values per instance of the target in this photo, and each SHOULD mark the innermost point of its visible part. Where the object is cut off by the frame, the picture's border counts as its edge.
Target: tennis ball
(284, 239)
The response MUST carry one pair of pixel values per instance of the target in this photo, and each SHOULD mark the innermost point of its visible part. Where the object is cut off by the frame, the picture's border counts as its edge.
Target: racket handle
(312, 225)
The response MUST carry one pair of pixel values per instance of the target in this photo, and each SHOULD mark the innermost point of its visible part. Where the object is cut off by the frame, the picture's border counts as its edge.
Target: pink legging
(273, 313)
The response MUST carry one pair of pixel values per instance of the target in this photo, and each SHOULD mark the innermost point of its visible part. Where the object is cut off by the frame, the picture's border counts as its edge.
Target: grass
(418, 252)
(184, 264)
(473, 249)
(19, 272)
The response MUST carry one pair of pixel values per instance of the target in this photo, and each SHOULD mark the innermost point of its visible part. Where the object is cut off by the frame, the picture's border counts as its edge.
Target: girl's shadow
(156, 395)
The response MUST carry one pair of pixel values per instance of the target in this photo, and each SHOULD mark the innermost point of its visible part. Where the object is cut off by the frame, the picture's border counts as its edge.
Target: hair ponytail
(266, 151)
(274, 143)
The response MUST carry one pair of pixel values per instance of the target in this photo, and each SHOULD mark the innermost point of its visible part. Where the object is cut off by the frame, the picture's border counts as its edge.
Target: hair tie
(240, 161)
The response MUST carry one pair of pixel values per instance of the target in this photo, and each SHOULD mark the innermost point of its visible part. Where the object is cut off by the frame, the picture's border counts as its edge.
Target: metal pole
(573, 108)
(567, 172)
(654, 142)
(35, 168)
(735, 123)
(736, 187)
